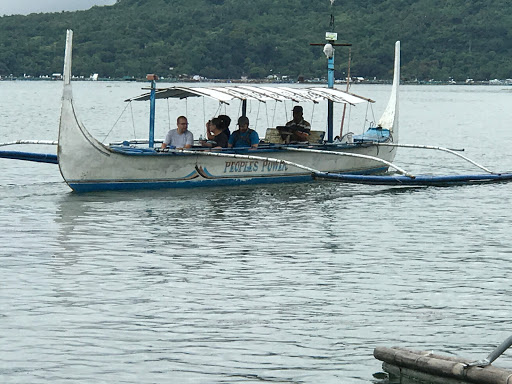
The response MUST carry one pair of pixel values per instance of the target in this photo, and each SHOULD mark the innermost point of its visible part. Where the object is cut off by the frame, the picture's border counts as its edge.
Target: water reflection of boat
(87, 165)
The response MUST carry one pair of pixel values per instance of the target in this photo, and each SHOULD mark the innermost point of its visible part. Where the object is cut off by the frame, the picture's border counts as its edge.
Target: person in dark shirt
(225, 120)
(216, 134)
(299, 127)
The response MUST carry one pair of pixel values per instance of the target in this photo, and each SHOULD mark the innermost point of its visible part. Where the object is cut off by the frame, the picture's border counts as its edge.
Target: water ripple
(279, 284)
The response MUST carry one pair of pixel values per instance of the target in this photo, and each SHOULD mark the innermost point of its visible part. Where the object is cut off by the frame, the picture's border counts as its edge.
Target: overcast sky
(24, 7)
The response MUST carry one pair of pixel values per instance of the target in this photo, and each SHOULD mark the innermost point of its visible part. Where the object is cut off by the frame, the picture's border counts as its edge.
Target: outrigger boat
(89, 165)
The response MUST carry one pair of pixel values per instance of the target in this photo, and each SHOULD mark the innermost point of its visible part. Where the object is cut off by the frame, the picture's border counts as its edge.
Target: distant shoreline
(264, 81)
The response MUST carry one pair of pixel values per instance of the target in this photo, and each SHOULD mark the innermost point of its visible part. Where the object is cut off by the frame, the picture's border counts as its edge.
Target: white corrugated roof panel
(259, 93)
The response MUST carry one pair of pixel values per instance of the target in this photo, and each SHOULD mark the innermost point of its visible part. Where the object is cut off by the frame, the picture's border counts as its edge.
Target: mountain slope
(231, 38)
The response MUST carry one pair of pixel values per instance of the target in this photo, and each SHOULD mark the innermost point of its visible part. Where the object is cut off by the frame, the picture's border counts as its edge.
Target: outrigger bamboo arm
(398, 169)
(281, 161)
(452, 151)
(46, 142)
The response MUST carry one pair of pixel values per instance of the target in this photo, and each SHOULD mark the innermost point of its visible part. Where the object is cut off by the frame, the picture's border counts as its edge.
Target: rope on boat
(121, 115)
(398, 169)
(45, 142)
(452, 151)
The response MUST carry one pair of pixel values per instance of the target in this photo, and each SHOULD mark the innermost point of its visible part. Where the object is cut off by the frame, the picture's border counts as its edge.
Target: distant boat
(88, 165)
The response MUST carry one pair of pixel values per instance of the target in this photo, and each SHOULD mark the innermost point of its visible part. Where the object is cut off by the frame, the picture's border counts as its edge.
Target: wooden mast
(348, 85)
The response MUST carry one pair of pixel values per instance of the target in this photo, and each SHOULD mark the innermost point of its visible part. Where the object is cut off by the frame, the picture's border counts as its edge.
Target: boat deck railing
(131, 148)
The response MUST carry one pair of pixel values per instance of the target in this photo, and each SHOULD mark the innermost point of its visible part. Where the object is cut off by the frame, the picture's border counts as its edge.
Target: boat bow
(389, 119)
(75, 143)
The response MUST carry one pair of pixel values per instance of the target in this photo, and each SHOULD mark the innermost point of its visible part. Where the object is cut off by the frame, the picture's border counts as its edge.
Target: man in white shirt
(180, 137)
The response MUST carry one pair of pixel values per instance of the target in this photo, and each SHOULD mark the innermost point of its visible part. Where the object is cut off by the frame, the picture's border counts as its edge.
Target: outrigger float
(89, 165)
(427, 367)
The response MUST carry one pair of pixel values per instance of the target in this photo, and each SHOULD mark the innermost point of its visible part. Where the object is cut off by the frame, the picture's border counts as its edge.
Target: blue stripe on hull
(195, 183)
(118, 186)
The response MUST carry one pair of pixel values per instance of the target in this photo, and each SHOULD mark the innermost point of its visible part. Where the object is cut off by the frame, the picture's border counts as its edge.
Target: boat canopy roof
(258, 93)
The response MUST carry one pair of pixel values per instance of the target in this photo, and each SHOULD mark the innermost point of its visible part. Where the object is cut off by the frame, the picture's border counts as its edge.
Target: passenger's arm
(302, 135)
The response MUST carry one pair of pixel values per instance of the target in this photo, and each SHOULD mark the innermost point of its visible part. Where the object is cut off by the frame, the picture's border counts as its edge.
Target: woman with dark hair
(225, 121)
(216, 134)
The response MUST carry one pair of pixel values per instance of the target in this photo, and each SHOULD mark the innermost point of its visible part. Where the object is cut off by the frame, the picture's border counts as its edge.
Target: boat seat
(275, 137)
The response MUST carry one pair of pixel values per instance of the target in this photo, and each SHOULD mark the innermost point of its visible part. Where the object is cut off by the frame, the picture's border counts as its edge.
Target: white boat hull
(88, 165)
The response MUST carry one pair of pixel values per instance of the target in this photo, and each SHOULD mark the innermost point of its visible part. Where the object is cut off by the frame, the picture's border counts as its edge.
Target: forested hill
(256, 38)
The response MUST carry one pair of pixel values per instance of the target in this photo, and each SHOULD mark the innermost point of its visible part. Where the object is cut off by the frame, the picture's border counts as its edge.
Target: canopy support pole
(330, 104)
(152, 98)
(347, 89)
(244, 107)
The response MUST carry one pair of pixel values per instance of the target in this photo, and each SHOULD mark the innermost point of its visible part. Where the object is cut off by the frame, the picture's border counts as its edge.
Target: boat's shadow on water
(323, 189)
(197, 201)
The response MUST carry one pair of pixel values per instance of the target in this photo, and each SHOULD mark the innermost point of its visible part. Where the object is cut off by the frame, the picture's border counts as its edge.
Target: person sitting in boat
(180, 137)
(216, 134)
(243, 136)
(225, 120)
(298, 127)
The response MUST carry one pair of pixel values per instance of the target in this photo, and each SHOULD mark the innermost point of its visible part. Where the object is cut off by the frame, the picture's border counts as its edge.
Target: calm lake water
(279, 284)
